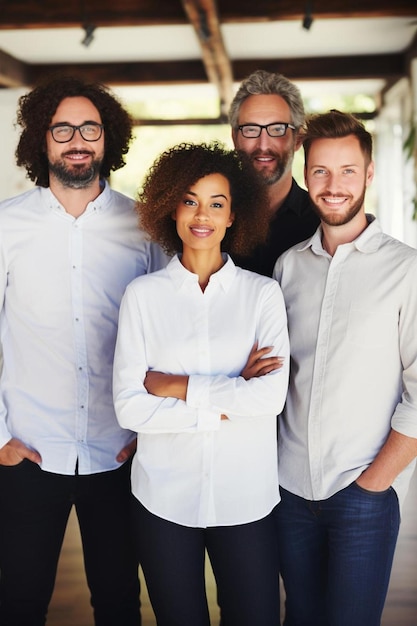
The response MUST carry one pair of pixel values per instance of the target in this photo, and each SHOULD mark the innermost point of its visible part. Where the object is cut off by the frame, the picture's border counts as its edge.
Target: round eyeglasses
(277, 129)
(62, 133)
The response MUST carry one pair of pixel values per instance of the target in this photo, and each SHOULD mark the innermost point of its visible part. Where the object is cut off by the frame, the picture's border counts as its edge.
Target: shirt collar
(292, 201)
(99, 204)
(182, 277)
(367, 242)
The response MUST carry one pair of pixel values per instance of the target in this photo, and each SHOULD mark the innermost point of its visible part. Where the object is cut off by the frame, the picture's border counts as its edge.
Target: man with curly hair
(267, 116)
(68, 248)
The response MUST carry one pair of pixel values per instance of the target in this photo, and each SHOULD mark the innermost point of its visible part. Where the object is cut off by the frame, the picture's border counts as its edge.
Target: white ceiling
(285, 39)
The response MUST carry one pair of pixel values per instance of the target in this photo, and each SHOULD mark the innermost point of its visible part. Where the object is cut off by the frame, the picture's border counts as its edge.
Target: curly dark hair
(178, 169)
(37, 108)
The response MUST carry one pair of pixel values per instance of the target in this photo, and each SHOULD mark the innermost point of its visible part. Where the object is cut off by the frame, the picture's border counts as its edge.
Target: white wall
(12, 178)
(395, 175)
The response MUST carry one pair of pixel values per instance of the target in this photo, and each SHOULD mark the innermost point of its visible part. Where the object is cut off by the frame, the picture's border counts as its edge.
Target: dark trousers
(34, 510)
(336, 556)
(244, 562)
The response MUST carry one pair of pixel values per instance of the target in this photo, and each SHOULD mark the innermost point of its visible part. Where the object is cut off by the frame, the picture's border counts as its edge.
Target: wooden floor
(70, 603)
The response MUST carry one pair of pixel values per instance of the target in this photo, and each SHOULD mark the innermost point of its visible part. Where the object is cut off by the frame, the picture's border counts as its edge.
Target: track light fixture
(308, 17)
(89, 34)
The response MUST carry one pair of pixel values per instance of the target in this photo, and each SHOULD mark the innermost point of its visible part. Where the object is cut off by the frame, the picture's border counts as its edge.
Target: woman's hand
(175, 386)
(166, 385)
(258, 364)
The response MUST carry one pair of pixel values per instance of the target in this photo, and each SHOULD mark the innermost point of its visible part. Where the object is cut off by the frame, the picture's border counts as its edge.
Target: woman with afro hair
(197, 375)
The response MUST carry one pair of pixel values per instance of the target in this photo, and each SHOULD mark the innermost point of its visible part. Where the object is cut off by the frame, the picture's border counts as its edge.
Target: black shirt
(294, 221)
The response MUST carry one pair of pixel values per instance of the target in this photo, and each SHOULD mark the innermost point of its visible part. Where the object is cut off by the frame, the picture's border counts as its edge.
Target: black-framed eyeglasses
(277, 129)
(62, 133)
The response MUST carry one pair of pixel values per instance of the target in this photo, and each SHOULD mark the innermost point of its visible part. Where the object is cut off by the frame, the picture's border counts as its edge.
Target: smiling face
(76, 163)
(204, 214)
(272, 157)
(337, 175)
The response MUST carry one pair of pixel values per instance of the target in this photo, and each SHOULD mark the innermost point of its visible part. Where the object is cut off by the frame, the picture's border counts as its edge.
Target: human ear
(299, 139)
(370, 173)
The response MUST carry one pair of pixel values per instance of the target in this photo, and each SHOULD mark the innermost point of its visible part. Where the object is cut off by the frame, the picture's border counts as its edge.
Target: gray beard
(75, 177)
(283, 164)
(276, 175)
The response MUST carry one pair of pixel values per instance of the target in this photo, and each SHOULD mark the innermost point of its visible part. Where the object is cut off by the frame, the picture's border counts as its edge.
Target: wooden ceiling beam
(13, 73)
(204, 18)
(385, 66)
(247, 10)
(132, 73)
(52, 14)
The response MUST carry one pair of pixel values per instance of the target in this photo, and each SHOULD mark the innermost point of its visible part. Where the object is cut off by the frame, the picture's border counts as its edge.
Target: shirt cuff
(198, 397)
(404, 422)
(5, 435)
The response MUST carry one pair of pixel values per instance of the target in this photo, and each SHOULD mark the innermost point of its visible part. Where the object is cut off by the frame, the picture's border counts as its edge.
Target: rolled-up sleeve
(404, 419)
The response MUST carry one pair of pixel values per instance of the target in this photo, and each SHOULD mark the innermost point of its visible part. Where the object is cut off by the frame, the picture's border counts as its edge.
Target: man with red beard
(266, 116)
(68, 248)
(348, 434)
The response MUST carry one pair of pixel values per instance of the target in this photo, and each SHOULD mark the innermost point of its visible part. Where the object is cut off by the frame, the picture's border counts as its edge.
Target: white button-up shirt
(191, 467)
(61, 282)
(353, 332)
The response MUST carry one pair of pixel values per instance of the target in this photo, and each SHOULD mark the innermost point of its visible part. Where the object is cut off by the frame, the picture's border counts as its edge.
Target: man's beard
(283, 163)
(75, 176)
(339, 219)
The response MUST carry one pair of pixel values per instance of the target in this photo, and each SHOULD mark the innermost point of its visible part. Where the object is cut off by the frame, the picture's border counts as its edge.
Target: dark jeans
(34, 507)
(244, 563)
(336, 556)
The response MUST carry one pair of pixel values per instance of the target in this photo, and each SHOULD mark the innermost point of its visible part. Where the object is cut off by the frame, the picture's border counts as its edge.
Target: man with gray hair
(267, 116)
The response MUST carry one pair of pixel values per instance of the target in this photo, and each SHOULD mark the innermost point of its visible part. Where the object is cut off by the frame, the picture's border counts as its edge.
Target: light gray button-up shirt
(353, 335)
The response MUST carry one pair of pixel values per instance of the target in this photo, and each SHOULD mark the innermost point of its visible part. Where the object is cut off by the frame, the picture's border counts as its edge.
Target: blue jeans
(336, 556)
(244, 563)
(35, 506)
